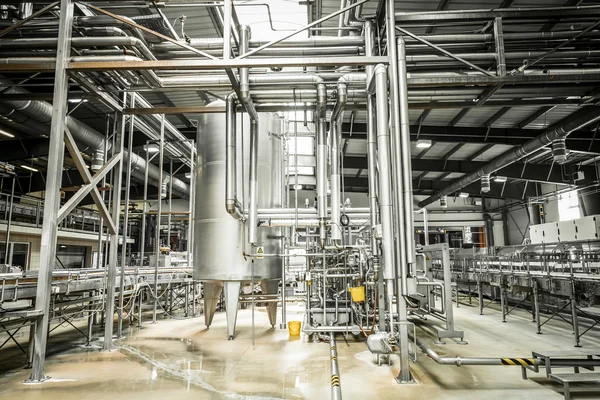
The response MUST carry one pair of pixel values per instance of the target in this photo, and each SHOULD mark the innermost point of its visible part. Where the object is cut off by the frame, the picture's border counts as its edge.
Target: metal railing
(29, 211)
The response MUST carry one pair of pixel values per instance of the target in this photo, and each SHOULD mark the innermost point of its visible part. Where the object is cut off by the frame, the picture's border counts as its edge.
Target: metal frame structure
(397, 62)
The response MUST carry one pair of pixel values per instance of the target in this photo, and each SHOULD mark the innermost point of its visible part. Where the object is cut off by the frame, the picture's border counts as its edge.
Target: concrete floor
(180, 359)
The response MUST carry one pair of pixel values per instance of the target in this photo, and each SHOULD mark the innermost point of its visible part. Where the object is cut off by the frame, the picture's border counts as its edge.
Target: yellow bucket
(294, 328)
(357, 293)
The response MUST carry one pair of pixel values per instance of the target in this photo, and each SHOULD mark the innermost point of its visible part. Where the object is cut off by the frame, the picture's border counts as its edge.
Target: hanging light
(485, 183)
(97, 160)
(444, 202)
(560, 151)
(423, 143)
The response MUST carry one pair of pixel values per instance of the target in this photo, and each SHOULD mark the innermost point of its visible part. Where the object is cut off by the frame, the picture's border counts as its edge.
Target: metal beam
(499, 114)
(91, 182)
(530, 171)
(577, 141)
(589, 12)
(548, 26)
(506, 190)
(534, 116)
(442, 5)
(165, 99)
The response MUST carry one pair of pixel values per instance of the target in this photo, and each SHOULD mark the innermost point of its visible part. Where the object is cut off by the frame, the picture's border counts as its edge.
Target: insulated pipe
(385, 179)
(405, 158)
(322, 178)
(371, 143)
(304, 223)
(245, 98)
(334, 159)
(275, 52)
(80, 42)
(314, 41)
(253, 204)
(588, 116)
(336, 389)
(232, 205)
(321, 97)
(458, 361)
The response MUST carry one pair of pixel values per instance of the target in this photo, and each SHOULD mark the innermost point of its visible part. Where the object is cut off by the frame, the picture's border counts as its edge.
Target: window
(18, 254)
(568, 206)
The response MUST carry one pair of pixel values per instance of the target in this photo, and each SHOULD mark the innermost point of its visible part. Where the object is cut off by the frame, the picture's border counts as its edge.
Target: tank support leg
(232, 296)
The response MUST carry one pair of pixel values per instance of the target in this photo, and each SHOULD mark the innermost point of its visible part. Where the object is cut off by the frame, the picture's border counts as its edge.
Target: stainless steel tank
(219, 239)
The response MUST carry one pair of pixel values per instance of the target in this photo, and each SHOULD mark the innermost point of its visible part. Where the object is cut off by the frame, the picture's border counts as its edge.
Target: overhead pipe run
(588, 116)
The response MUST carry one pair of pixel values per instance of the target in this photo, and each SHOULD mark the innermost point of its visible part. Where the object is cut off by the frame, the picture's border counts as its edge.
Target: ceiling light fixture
(500, 179)
(29, 168)
(151, 148)
(6, 133)
(188, 175)
(423, 144)
(463, 194)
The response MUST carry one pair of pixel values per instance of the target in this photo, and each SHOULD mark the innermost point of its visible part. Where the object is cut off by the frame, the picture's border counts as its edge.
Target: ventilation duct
(33, 113)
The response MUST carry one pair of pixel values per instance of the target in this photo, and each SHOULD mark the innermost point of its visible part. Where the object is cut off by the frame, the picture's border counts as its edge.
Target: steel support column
(161, 147)
(53, 184)
(402, 255)
(125, 222)
(113, 256)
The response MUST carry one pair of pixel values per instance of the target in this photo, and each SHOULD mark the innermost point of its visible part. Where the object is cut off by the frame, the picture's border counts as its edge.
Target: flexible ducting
(584, 118)
(41, 112)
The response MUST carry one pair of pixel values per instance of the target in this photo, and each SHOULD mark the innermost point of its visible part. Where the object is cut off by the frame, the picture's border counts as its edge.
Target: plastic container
(357, 293)
(294, 328)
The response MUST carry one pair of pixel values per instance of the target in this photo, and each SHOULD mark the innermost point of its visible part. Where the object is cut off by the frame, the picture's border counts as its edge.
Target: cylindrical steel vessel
(221, 240)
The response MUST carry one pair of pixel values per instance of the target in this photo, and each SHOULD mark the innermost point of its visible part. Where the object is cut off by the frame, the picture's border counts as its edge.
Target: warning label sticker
(260, 253)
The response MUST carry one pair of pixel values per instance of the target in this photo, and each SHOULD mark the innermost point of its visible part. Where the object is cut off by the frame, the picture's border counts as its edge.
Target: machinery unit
(586, 228)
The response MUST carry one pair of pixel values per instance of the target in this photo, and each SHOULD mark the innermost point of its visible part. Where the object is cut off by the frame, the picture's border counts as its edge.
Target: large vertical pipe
(227, 12)
(334, 158)
(253, 205)
(407, 190)
(371, 140)
(191, 206)
(232, 204)
(402, 178)
(125, 222)
(373, 176)
(385, 179)
(53, 182)
(322, 179)
(170, 203)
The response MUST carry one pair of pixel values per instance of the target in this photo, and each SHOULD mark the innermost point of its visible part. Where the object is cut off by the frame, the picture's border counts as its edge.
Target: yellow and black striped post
(336, 389)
